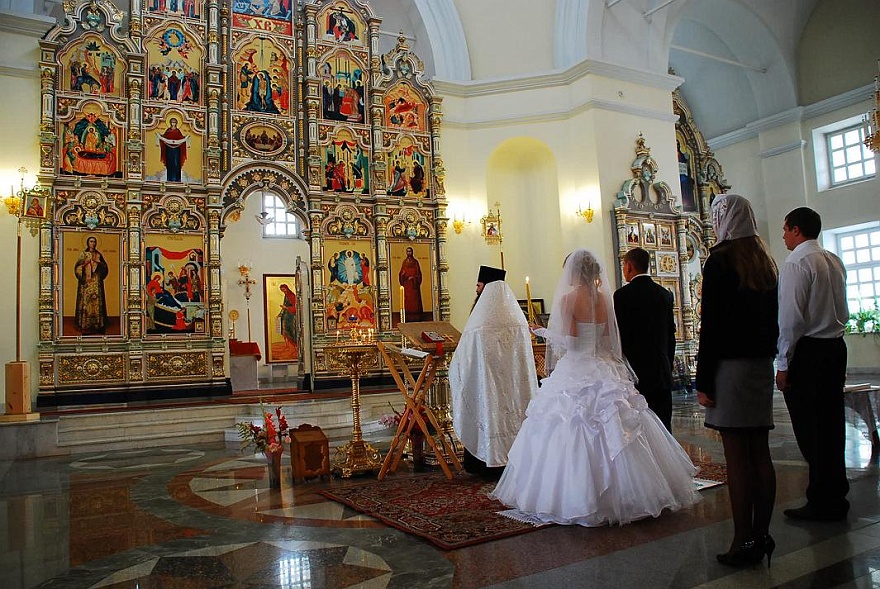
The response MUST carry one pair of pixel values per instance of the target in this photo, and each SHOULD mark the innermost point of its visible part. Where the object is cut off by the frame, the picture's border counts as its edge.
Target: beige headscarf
(732, 217)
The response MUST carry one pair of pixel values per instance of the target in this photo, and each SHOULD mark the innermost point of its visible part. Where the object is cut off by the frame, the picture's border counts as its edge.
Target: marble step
(140, 429)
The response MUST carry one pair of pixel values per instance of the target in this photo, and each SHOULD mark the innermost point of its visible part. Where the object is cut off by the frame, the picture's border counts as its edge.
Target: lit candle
(529, 300)
(402, 308)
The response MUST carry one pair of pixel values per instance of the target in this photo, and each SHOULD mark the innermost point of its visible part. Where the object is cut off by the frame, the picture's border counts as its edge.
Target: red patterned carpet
(710, 474)
(450, 514)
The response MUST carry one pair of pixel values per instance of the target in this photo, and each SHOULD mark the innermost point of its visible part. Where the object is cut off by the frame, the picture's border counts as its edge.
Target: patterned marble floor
(203, 517)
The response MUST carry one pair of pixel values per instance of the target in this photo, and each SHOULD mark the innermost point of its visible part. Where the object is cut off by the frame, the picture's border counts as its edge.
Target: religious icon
(632, 233)
(175, 289)
(350, 300)
(282, 317)
(35, 207)
(649, 234)
(412, 297)
(90, 284)
(665, 235)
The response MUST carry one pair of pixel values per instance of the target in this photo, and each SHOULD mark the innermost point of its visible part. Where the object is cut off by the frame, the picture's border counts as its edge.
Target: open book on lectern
(426, 335)
(411, 352)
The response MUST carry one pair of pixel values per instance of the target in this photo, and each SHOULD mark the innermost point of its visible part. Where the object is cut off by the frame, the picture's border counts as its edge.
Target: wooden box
(309, 452)
(18, 388)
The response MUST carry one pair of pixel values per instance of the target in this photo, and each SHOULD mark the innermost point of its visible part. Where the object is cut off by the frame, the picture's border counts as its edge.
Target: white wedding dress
(590, 452)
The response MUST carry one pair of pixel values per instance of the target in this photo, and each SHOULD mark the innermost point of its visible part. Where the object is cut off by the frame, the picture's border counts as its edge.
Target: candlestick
(402, 308)
(531, 310)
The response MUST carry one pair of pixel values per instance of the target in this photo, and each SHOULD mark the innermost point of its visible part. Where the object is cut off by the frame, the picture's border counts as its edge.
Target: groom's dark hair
(639, 258)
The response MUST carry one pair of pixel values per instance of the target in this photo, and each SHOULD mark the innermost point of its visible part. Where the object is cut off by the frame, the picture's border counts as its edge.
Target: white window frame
(823, 155)
(836, 239)
(284, 225)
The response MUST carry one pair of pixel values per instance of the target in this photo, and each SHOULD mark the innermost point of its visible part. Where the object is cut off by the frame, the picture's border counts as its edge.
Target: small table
(862, 403)
(243, 357)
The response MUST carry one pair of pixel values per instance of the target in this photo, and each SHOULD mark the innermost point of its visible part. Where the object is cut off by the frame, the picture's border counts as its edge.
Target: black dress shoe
(813, 514)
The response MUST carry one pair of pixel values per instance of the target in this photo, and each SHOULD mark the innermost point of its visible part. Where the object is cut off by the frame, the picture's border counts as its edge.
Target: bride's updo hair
(584, 267)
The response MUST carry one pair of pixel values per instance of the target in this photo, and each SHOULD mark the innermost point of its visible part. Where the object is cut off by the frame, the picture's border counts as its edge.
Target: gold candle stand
(356, 455)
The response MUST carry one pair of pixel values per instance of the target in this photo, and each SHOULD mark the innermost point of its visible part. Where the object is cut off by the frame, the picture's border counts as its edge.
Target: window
(279, 223)
(859, 248)
(848, 157)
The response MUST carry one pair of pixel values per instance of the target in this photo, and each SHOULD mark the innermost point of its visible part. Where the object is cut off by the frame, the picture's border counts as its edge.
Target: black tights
(751, 482)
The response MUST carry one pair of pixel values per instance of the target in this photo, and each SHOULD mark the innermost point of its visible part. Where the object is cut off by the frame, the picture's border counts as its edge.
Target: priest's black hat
(489, 274)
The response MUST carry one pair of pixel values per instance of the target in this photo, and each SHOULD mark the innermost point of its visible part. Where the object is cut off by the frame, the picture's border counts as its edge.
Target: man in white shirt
(811, 363)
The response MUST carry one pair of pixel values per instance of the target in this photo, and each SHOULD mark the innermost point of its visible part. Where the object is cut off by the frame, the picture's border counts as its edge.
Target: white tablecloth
(863, 410)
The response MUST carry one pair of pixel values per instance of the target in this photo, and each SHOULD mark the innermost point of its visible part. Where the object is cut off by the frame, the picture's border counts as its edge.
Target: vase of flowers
(269, 439)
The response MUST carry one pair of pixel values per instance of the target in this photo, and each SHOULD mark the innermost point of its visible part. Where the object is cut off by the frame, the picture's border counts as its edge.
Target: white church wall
(780, 182)
(20, 123)
(843, 205)
(589, 126)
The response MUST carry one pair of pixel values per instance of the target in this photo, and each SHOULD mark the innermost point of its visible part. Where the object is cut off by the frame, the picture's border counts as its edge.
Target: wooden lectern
(414, 390)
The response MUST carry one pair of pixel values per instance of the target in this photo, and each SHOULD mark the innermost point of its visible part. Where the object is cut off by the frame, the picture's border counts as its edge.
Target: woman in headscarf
(590, 451)
(738, 333)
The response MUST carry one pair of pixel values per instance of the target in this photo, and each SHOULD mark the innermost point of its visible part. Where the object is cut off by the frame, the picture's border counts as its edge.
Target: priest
(492, 375)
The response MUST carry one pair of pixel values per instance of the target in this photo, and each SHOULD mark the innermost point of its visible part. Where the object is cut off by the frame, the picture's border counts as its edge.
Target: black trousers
(816, 376)
(660, 402)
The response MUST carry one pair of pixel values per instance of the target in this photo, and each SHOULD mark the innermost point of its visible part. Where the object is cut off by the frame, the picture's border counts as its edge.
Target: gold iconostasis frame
(676, 236)
(157, 127)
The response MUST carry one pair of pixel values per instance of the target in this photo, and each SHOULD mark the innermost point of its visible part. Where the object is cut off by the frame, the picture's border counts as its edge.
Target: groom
(646, 321)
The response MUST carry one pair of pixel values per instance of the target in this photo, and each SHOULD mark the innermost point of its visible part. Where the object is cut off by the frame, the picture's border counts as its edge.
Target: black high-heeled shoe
(747, 553)
(767, 545)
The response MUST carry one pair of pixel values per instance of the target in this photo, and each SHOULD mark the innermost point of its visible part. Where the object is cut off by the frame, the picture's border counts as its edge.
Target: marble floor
(203, 517)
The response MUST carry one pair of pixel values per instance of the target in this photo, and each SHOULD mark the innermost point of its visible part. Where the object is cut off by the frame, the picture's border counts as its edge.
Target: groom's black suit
(647, 336)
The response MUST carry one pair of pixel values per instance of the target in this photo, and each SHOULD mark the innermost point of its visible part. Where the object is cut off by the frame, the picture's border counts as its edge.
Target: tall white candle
(402, 308)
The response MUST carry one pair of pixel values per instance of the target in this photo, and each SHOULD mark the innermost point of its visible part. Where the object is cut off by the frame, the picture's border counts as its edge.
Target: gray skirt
(743, 395)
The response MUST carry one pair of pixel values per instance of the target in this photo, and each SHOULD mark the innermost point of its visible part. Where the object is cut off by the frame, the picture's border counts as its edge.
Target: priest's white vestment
(492, 375)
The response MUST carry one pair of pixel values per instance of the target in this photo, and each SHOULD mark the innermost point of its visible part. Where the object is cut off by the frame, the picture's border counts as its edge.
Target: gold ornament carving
(91, 368)
(176, 365)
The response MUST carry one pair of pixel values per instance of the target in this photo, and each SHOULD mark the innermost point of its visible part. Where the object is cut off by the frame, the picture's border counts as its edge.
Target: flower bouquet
(269, 439)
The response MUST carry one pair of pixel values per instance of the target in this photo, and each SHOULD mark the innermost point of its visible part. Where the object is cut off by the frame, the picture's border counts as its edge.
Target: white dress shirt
(812, 298)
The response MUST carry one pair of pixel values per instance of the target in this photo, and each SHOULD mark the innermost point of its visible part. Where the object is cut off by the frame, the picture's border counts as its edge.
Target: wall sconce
(459, 224)
(14, 200)
(586, 213)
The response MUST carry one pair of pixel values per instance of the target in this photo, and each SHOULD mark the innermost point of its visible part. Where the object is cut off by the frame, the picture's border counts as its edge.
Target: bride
(590, 452)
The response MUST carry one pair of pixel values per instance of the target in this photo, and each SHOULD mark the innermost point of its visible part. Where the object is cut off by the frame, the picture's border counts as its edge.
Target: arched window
(278, 222)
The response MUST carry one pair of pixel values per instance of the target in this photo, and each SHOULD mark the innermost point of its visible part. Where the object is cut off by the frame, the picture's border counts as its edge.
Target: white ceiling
(737, 57)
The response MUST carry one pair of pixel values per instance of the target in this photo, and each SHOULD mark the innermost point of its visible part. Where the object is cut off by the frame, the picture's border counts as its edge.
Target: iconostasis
(156, 129)
(676, 236)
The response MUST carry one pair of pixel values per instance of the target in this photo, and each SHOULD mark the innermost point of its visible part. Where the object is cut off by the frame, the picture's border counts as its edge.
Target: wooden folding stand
(416, 413)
